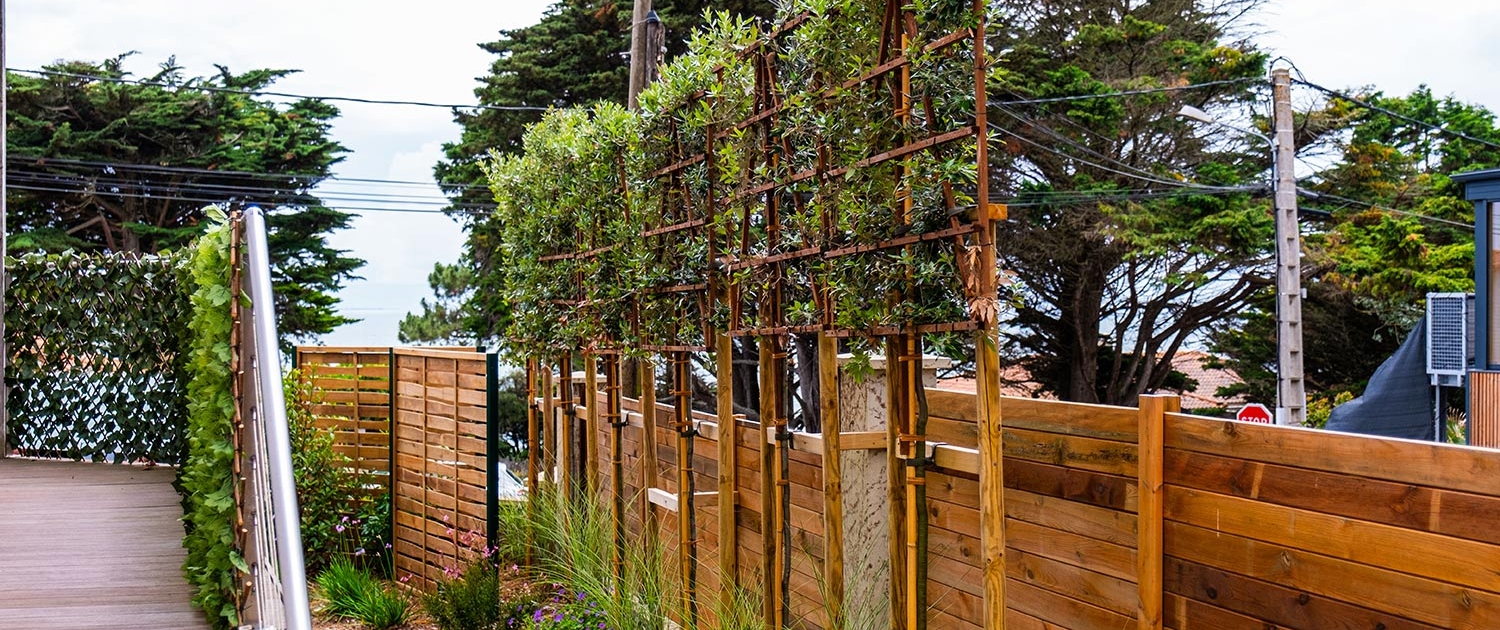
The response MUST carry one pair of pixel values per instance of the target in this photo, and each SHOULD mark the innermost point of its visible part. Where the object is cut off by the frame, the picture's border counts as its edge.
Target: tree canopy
(99, 160)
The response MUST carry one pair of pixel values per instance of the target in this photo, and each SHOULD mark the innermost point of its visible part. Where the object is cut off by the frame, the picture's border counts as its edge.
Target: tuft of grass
(344, 587)
(383, 609)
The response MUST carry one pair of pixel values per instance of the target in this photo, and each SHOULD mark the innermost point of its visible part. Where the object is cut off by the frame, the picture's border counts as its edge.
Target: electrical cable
(1303, 192)
(223, 200)
(1125, 93)
(1371, 106)
(1154, 180)
(224, 90)
(210, 188)
(46, 161)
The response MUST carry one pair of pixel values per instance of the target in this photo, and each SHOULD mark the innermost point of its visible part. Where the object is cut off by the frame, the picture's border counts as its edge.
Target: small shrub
(468, 601)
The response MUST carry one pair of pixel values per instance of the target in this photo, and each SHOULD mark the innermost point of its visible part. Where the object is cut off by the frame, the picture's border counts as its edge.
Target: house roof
(1016, 381)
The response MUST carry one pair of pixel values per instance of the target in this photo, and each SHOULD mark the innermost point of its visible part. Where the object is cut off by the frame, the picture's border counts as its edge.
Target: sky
(428, 52)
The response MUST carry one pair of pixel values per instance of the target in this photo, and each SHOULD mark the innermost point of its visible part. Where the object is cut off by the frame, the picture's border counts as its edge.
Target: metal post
(4, 245)
(492, 448)
(1291, 394)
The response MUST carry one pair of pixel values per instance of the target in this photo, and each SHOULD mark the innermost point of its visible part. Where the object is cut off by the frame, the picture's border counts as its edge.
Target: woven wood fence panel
(355, 386)
(441, 462)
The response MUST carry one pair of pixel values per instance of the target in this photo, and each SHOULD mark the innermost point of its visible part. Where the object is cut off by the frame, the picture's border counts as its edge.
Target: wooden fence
(415, 423)
(1113, 517)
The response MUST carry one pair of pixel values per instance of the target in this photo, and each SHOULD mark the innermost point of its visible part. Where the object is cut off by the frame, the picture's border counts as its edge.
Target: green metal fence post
(492, 446)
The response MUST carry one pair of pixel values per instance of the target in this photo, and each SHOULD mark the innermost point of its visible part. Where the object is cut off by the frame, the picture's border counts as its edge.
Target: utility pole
(1291, 392)
(640, 58)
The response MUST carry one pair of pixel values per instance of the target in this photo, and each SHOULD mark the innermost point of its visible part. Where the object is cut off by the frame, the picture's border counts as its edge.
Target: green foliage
(1369, 266)
(446, 320)
(1110, 283)
(338, 520)
(207, 479)
(469, 600)
(570, 58)
(88, 157)
(98, 351)
(351, 592)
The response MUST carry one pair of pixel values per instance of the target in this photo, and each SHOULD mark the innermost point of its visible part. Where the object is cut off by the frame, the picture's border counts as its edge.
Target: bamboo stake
(833, 485)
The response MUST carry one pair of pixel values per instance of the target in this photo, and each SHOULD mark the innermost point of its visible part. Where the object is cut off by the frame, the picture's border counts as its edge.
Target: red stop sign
(1255, 412)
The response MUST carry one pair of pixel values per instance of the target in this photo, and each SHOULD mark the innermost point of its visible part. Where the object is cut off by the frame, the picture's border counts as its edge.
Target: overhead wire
(225, 90)
(1303, 192)
(1123, 93)
(228, 199)
(38, 161)
(1394, 114)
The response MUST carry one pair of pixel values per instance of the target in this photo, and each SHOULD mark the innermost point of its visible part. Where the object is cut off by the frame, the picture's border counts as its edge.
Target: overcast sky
(427, 51)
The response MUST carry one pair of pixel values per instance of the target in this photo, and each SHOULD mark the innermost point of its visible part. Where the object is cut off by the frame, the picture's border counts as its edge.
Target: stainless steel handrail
(273, 483)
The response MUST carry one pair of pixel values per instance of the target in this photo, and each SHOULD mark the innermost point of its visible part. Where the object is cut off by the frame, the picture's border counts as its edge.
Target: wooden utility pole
(640, 58)
(1291, 393)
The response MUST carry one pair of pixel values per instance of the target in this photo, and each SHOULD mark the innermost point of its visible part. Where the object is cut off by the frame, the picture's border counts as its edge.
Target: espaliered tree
(574, 56)
(100, 162)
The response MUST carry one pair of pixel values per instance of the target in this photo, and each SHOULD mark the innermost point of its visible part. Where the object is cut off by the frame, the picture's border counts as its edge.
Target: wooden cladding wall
(355, 386)
(443, 473)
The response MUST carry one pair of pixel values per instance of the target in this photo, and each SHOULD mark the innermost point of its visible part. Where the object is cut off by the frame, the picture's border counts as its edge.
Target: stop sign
(1254, 412)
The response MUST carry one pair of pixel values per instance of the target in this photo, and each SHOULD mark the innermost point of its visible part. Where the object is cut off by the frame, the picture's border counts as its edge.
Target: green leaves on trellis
(207, 478)
(95, 346)
(613, 183)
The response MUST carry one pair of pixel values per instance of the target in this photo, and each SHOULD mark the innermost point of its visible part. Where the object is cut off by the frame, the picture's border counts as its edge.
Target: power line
(1125, 93)
(1394, 114)
(101, 183)
(1149, 179)
(32, 160)
(219, 200)
(1427, 217)
(224, 90)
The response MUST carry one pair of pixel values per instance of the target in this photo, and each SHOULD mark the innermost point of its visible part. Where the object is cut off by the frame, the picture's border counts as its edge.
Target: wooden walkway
(91, 546)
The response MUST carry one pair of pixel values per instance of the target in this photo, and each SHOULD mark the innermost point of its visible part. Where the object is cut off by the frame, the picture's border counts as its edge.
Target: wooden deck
(91, 546)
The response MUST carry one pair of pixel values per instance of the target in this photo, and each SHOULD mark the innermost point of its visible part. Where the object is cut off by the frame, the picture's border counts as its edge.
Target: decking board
(91, 546)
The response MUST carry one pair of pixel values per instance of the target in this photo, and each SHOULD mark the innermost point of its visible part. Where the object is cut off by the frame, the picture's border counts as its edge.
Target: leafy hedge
(96, 344)
(207, 478)
(601, 179)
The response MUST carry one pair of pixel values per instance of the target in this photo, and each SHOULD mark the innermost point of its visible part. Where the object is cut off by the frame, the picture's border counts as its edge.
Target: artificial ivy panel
(95, 369)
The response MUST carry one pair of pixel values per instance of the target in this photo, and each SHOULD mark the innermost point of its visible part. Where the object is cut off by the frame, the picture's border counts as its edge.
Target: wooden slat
(1420, 463)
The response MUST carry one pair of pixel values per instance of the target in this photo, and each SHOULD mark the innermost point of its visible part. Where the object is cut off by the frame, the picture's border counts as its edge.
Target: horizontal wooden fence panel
(1070, 479)
(1277, 526)
(354, 388)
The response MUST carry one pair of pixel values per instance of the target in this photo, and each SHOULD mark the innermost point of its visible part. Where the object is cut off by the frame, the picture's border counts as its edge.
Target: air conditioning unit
(1450, 337)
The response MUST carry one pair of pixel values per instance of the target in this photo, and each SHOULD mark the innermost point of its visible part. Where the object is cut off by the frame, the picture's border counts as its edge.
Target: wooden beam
(649, 472)
(728, 477)
(769, 525)
(1151, 455)
(590, 452)
(833, 489)
(549, 423)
